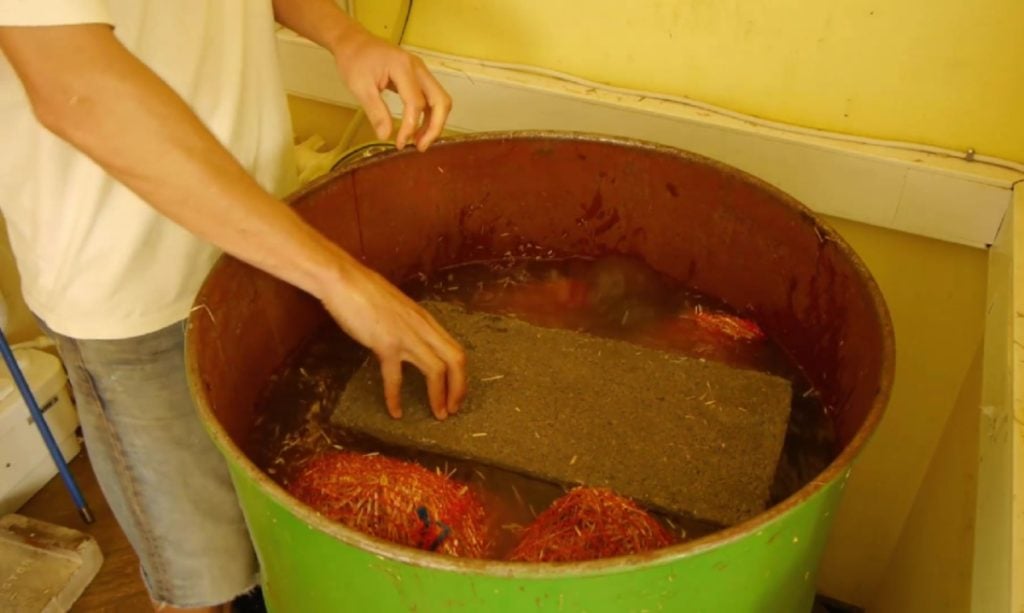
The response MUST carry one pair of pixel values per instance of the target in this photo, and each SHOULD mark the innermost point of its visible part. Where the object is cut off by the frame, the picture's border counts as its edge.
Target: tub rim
(838, 470)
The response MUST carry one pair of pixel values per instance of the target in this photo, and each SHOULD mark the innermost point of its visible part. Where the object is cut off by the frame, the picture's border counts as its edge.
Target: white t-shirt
(95, 260)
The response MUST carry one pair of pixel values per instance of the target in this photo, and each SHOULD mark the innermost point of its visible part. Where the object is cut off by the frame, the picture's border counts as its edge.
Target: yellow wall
(930, 569)
(941, 72)
(936, 295)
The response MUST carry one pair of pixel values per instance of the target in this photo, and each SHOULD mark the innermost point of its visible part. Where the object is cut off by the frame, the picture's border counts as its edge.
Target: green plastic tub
(721, 231)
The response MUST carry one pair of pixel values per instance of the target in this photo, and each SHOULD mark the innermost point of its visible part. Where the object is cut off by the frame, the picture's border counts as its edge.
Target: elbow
(63, 103)
(55, 109)
(61, 69)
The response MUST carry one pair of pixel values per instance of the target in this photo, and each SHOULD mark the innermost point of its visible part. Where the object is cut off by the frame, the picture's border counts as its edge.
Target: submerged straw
(44, 430)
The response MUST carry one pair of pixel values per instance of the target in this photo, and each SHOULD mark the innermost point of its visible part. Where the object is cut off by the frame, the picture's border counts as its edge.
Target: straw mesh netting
(731, 326)
(590, 524)
(395, 500)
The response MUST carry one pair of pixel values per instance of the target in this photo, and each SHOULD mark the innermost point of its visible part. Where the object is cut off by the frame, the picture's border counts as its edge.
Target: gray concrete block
(692, 438)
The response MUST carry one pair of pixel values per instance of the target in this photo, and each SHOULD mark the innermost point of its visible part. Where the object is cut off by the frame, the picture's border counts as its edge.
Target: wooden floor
(118, 587)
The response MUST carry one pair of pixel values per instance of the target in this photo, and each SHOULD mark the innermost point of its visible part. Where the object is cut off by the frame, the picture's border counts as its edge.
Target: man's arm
(385, 67)
(89, 90)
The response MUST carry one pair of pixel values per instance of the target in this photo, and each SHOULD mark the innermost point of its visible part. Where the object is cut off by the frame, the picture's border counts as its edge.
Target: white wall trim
(928, 194)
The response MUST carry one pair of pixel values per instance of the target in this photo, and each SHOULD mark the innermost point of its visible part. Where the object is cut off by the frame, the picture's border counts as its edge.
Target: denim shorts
(164, 480)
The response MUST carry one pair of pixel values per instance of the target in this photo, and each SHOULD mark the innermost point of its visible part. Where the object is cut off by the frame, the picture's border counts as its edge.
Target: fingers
(441, 360)
(439, 105)
(421, 144)
(457, 386)
(454, 358)
(426, 105)
(419, 354)
(437, 385)
(447, 369)
(391, 372)
(376, 111)
(414, 103)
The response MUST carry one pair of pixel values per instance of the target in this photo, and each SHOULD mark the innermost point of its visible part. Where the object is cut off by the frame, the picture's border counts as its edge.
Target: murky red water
(613, 297)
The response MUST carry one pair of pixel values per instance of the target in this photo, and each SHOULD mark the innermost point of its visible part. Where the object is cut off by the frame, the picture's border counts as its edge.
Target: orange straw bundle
(398, 501)
(590, 524)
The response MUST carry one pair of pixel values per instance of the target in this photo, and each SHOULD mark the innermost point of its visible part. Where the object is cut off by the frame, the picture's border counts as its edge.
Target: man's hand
(397, 330)
(369, 65)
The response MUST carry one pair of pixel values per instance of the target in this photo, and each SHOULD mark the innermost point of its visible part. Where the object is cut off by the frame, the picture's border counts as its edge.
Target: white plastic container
(25, 463)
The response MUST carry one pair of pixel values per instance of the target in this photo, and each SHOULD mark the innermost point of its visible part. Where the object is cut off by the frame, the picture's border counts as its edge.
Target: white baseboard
(928, 194)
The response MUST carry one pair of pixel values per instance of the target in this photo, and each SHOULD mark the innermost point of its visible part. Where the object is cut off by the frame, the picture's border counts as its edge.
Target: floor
(118, 586)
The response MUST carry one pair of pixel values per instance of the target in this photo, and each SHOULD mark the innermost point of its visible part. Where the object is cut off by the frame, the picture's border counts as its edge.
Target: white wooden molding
(928, 194)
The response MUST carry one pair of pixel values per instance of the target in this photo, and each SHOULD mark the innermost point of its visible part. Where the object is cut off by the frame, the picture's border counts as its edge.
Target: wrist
(333, 271)
(345, 40)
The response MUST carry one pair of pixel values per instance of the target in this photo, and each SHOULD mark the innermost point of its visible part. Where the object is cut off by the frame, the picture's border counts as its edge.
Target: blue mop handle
(44, 430)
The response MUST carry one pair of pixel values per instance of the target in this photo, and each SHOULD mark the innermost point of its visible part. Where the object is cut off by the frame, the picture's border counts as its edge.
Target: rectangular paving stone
(679, 435)
(44, 567)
